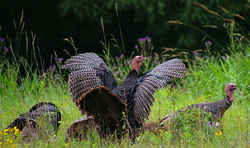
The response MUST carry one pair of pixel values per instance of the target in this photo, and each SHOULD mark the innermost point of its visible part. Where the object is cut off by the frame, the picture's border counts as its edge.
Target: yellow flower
(1, 143)
(6, 130)
(9, 141)
(218, 133)
(16, 132)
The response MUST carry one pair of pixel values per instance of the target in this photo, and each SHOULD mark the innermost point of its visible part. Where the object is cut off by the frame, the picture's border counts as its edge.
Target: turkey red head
(230, 88)
(136, 63)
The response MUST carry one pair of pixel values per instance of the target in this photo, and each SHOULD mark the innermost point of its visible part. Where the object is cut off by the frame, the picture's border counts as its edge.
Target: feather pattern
(92, 84)
(88, 71)
(159, 77)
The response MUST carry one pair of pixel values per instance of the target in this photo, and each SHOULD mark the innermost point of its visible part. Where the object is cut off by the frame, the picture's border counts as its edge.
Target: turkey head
(136, 63)
(230, 88)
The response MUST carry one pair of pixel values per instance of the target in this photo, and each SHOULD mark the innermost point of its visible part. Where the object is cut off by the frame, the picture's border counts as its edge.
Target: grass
(205, 81)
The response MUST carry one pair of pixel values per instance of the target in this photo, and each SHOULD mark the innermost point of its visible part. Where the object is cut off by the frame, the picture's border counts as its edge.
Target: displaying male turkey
(95, 91)
(42, 119)
(217, 109)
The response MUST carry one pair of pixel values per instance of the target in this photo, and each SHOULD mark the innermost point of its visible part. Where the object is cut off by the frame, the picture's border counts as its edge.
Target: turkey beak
(140, 59)
(233, 87)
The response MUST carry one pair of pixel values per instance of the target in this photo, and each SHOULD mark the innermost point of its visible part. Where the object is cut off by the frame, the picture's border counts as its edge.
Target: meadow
(204, 82)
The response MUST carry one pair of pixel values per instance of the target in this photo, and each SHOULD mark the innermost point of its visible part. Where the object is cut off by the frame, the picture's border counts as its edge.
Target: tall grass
(205, 81)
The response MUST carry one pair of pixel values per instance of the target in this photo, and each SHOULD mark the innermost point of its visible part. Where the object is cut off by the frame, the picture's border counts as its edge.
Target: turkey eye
(232, 87)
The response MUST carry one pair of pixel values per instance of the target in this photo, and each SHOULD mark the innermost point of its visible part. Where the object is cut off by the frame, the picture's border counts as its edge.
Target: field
(204, 82)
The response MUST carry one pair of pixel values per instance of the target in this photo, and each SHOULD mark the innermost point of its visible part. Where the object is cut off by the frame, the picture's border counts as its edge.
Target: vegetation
(205, 81)
(186, 23)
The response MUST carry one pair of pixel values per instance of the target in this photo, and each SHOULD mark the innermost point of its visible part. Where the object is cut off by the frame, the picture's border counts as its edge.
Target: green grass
(205, 81)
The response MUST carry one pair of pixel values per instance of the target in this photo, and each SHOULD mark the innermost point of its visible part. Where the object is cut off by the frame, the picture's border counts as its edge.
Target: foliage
(205, 81)
(192, 123)
(184, 23)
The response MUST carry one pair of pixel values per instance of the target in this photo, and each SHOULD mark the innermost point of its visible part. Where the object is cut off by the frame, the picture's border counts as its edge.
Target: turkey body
(79, 129)
(216, 109)
(117, 108)
(28, 123)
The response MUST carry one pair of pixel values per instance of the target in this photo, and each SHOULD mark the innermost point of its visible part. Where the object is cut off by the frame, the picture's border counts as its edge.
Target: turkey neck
(223, 105)
(126, 89)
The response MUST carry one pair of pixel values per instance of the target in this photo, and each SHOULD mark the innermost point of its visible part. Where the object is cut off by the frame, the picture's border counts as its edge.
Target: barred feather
(159, 77)
(82, 81)
(81, 61)
(92, 81)
(88, 71)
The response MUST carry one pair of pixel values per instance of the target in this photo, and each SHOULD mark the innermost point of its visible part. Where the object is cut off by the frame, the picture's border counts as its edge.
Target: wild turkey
(80, 128)
(30, 123)
(217, 109)
(95, 91)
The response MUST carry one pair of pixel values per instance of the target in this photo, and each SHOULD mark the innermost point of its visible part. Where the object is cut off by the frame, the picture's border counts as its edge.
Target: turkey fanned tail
(159, 77)
(92, 88)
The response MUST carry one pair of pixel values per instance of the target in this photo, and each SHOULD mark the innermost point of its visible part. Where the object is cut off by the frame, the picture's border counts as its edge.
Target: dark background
(51, 22)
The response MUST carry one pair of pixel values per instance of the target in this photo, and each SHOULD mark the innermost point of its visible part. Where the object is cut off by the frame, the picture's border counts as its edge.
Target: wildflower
(5, 49)
(6, 130)
(219, 133)
(217, 124)
(52, 68)
(9, 141)
(16, 131)
(141, 40)
(1, 143)
(117, 58)
(209, 124)
(195, 53)
(128, 62)
(156, 55)
(208, 44)
(136, 46)
(2, 39)
(59, 60)
(145, 39)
